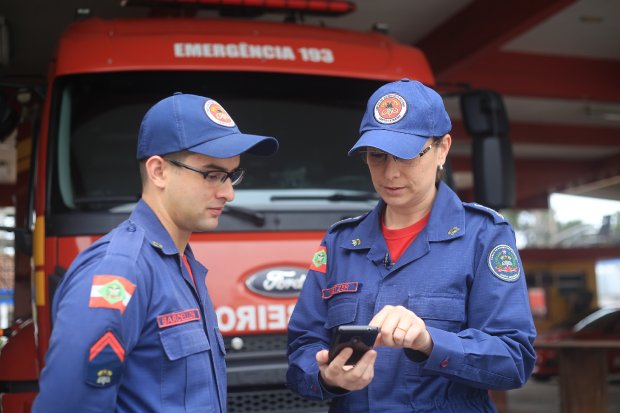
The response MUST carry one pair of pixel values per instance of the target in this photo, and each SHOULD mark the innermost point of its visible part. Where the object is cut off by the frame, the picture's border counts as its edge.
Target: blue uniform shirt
(462, 275)
(131, 331)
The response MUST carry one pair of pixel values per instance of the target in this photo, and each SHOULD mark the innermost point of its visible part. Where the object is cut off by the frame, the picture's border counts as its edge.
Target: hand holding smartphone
(360, 338)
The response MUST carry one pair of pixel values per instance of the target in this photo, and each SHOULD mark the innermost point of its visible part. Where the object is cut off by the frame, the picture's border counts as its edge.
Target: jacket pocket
(186, 369)
(340, 311)
(183, 341)
(443, 311)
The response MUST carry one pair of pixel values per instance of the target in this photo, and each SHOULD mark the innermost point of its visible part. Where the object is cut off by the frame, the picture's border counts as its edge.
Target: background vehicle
(603, 324)
(307, 86)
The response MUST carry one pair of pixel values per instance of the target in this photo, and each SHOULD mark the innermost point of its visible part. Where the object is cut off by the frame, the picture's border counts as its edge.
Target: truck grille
(273, 401)
(256, 376)
(258, 342)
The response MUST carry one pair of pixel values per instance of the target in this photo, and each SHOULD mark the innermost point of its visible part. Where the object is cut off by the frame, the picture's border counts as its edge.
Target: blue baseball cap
(400, 117)
(196, 124)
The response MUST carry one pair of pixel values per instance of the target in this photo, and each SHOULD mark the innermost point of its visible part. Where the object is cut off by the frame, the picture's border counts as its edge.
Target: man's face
(193, 203)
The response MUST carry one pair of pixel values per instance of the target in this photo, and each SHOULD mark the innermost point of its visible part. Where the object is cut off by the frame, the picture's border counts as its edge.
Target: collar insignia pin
(356, 242)
(453, 230)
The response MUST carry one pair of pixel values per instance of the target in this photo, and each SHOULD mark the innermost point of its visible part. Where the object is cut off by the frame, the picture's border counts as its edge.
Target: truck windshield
(96, 117)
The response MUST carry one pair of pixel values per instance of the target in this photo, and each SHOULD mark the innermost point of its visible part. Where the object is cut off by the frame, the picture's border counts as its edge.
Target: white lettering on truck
(254, 317)
(244, 50)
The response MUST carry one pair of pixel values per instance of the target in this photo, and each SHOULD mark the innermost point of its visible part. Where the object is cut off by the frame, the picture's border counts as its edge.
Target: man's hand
(337, 374)
(401, 328)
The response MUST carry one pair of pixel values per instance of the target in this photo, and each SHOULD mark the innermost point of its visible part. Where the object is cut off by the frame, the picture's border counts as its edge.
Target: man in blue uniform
(442, 280)
(134, 327)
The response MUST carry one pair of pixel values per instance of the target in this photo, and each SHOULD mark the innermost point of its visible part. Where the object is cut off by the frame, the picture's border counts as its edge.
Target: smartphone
(359, 338)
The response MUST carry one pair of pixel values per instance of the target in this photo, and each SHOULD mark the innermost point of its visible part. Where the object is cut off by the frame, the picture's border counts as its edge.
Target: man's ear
(156, 171)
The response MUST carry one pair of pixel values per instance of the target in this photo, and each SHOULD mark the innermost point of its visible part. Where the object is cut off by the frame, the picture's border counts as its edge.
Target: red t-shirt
(399, 239)
(189, 269)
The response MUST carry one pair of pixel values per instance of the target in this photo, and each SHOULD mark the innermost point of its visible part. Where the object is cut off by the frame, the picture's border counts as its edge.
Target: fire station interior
(554, 66)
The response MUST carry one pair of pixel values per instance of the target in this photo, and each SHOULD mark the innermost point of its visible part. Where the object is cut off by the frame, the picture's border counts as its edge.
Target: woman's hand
(402, 328)
(337, 374)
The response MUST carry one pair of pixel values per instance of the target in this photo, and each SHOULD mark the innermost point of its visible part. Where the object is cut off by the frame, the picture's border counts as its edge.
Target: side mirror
(485, 118)
(484, 113)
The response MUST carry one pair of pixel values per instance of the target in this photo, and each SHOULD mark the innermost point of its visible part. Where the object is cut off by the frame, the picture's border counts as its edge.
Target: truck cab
(306, 85)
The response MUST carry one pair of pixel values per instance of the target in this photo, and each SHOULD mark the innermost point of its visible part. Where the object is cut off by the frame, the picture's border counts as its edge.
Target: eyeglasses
(379, 158)
(214, 177)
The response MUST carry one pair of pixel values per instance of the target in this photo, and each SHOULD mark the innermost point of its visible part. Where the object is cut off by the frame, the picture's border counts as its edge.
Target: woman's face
(408, 185)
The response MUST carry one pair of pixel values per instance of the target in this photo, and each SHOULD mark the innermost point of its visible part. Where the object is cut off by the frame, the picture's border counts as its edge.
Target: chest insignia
(180, 317)
(350, 287)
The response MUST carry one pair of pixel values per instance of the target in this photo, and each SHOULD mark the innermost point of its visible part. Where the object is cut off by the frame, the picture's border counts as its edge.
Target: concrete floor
(537, 397)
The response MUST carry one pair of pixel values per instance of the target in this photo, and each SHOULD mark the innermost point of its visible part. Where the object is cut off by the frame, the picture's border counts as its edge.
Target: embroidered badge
(319, 261)
(181, 317)
(110, 291)
(350, 287)
(105, 361)
(504, 264)
(217, 114)
(390, 108)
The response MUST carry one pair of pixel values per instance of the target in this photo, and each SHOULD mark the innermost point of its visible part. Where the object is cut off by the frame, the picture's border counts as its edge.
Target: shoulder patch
(319, 260)
(504, 264)
(497, 217)
(110, 291)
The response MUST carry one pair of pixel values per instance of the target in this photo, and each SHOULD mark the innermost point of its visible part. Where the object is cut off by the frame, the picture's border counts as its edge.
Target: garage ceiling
(556, 63)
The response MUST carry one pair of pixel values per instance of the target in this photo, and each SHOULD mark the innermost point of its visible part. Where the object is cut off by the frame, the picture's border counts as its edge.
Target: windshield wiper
(337, 197)
(255, 217)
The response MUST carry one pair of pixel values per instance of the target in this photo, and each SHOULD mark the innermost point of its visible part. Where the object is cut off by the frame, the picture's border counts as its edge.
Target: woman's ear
(444, 148)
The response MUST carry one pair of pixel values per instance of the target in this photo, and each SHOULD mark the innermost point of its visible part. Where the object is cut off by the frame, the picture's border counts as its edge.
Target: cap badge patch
(319, 260)
(504, 264)
(218, 114)
(390, 108)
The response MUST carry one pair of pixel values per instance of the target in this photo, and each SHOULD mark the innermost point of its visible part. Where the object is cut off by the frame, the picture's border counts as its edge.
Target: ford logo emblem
(277, 282)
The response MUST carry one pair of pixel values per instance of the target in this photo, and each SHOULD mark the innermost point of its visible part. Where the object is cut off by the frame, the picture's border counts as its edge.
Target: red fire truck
(305, 85)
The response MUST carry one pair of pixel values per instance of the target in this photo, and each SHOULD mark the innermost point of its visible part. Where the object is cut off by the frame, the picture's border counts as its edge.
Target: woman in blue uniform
(442, 280)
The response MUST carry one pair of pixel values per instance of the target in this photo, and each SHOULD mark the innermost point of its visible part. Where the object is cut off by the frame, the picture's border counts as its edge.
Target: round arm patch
(504, 264)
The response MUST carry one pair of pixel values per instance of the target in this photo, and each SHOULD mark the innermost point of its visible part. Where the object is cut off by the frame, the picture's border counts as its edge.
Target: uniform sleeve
(496, 350)
(306, 330)
(98, 315)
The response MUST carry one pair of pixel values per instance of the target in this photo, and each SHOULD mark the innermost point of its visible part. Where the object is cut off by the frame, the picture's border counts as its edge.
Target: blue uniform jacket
(131, 333)
(462, 275)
